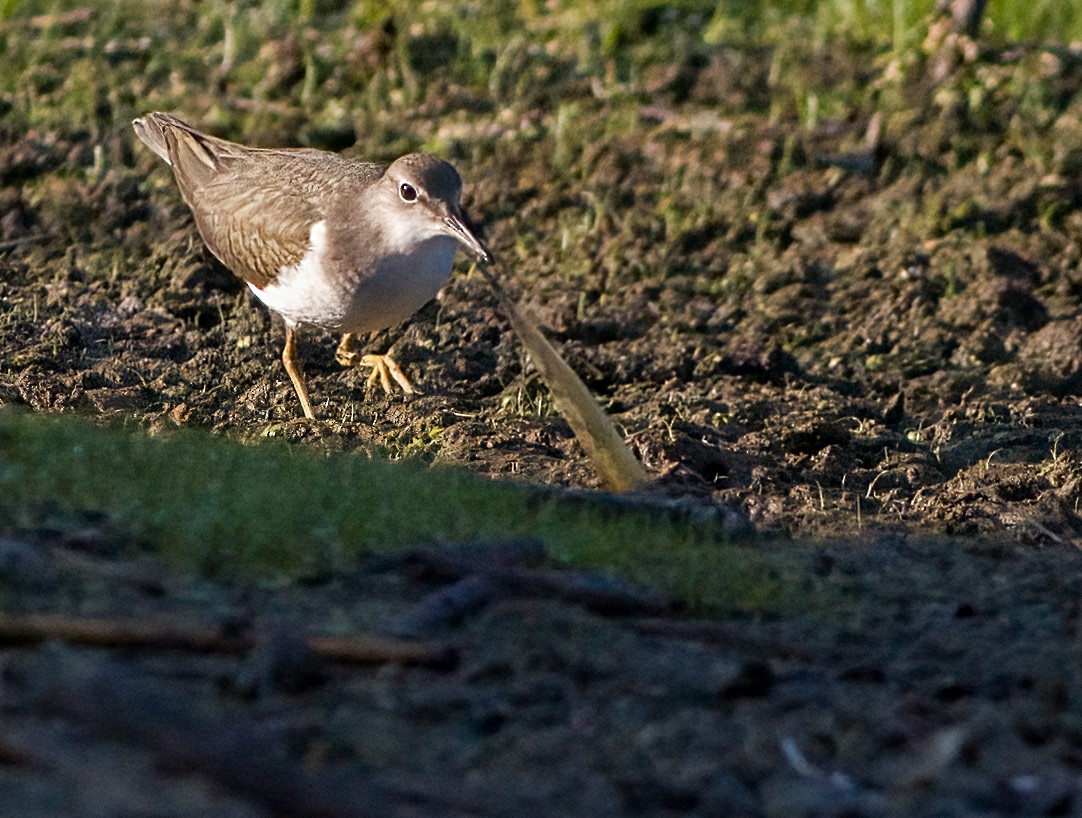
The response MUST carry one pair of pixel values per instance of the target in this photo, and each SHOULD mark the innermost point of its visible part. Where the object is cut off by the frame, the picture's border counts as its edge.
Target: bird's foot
(384, 369)
(346, 355)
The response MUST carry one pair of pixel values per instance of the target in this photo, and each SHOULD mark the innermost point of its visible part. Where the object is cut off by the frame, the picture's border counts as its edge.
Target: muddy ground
(856, 322)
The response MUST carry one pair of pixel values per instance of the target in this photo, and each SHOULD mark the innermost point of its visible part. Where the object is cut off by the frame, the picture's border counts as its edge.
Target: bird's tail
(151, 128)
(178, 143)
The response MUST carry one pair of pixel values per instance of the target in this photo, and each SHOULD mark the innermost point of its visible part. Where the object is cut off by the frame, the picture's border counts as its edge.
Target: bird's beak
(456, 226)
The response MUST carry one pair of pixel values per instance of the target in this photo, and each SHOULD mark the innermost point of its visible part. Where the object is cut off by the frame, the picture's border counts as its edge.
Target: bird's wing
(255, 207)
(255, 227)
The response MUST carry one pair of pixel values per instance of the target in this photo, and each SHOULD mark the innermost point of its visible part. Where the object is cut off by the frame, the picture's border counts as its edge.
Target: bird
(322, 240)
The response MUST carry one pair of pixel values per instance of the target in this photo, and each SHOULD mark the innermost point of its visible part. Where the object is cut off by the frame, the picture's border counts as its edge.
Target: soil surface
(949, 687)
(858, 330)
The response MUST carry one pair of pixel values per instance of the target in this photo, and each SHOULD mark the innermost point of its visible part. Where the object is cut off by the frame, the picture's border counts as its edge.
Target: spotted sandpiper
(322, 240)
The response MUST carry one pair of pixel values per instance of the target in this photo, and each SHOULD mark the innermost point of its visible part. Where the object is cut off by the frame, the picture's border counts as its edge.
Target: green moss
(225, 508)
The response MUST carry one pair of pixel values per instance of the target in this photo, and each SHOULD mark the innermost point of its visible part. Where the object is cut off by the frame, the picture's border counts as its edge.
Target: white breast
(399, 285)
(302, 294)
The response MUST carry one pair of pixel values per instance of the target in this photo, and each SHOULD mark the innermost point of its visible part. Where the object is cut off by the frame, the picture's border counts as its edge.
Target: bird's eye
(408, 192)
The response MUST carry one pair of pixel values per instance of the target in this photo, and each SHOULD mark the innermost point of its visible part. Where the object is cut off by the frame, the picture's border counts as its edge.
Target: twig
(611, 458)
(29, 629)
(367, 649)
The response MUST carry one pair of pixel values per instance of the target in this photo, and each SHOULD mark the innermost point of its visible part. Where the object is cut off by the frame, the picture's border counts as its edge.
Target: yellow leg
(384, 368)
(293, 369)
